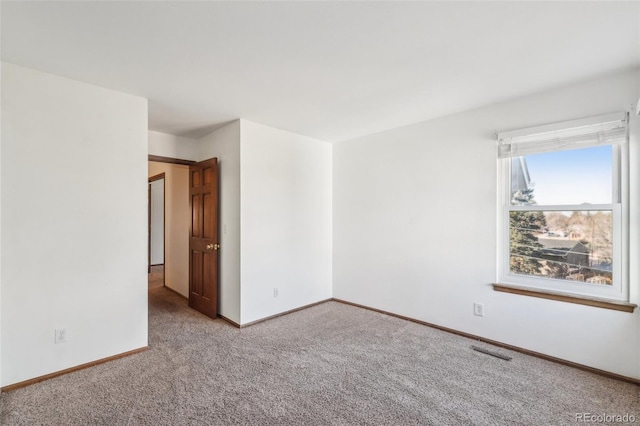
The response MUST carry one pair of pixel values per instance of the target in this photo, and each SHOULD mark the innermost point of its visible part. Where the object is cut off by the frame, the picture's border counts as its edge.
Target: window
(563, 207)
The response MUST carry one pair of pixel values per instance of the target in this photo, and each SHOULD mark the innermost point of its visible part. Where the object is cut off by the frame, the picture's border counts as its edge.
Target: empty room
(319, 212)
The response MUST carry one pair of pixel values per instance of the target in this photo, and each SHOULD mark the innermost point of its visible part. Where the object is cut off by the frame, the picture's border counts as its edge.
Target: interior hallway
(156, 276)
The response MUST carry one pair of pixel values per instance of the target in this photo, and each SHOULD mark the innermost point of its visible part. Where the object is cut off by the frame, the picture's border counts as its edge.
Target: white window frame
(619, 290)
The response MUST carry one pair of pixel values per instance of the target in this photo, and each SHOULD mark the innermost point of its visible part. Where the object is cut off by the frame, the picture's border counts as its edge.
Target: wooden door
(204, 245)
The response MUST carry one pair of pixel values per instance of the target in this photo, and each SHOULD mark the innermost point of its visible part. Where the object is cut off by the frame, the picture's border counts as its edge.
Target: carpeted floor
(331, 364)
(156, 276)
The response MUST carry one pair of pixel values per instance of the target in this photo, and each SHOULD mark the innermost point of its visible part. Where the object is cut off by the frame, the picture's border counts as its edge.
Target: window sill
(566, 297)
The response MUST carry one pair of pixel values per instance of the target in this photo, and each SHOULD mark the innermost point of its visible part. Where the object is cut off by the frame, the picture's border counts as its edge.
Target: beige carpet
(331, 364)
(156, 276)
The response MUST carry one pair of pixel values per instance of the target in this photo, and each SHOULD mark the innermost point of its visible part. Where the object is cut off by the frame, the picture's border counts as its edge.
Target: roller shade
(602, 130)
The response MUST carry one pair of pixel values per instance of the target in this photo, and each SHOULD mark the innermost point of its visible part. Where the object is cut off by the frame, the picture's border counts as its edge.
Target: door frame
(164, 221)
(168, 160)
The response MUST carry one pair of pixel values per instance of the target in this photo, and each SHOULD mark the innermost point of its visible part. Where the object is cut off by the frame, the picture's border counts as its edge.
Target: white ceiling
(329, 70)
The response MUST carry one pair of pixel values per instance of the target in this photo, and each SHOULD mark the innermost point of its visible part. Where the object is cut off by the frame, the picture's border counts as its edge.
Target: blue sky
(573, 176)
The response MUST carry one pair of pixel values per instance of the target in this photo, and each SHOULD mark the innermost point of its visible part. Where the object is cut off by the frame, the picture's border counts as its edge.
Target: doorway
(156, 243)
(192, 246)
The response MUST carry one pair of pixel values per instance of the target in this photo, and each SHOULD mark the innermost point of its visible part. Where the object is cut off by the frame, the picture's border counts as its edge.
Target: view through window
(561, 215)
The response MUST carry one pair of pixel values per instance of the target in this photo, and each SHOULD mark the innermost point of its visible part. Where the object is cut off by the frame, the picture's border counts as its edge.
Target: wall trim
(71, 370)
(249, 324)
(175, 291)
(233, 323)
(566, 297)
(501, 345)
(161, 159)
(156, 177)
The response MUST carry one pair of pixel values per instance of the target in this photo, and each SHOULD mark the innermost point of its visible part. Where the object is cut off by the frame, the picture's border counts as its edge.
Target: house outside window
(563, 207)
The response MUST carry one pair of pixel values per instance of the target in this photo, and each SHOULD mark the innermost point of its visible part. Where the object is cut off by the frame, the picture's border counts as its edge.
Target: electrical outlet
(275, 292)
(60, 335)
(478, 309)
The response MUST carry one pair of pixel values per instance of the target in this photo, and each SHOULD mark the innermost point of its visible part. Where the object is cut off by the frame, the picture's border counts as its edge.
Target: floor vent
(488, 352)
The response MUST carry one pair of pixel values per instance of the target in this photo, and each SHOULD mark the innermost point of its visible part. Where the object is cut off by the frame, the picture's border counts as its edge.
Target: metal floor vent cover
(492, 353)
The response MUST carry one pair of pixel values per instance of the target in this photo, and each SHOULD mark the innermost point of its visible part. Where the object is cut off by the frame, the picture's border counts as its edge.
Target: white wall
(415, 228)
(177, 216)
(157, 222)
(0, 215)
(166, 145)
(275, 218)
(224, 144)
(285, 220)
(74, 241)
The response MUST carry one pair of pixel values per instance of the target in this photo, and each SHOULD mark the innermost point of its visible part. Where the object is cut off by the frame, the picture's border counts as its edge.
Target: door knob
(209, 246)
(216, 246)
(213, 246)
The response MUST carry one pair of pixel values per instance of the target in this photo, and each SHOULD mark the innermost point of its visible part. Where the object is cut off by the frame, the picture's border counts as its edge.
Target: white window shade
(602, 130)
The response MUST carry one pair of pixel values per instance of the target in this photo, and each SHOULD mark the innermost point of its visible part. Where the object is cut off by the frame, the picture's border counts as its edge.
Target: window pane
(576, 176)
(568, 245)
